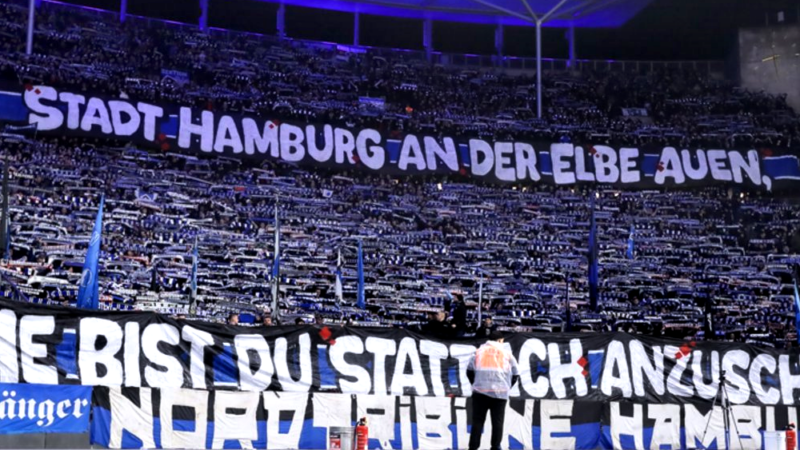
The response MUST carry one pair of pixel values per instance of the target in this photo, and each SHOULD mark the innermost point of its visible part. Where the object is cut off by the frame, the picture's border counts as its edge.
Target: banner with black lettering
(176, 127)
(55, 345)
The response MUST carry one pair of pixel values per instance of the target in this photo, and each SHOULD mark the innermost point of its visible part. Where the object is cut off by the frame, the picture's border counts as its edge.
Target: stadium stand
(427, 242)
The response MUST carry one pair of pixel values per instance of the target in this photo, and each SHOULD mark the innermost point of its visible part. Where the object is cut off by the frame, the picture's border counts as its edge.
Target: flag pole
(276, 265)
(568, 326)
(193, 292)
(4, 223)
(480, 300)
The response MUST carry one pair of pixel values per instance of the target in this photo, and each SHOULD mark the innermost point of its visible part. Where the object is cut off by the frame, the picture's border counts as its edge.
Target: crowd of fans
(430, 246)
(91, 51)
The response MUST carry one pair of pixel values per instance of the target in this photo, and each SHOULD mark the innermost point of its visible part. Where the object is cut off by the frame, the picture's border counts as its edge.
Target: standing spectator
(486, 328)
(492, 372)
(267, 320)
(459, 316)
(233, 319)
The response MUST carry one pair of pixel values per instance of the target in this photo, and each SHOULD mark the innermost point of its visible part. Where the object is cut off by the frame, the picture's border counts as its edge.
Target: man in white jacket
(492, 372)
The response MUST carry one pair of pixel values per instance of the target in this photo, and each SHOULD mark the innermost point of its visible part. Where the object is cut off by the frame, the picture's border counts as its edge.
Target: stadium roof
(582, 13)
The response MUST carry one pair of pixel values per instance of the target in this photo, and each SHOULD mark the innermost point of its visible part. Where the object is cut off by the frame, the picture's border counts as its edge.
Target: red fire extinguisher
(791, 438)
(362, 434)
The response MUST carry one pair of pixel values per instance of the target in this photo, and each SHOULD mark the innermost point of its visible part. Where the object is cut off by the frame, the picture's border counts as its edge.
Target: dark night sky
(666, 29)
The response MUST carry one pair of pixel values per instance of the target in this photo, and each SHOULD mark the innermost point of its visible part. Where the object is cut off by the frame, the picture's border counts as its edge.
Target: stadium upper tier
(425, 241)
(153, 61)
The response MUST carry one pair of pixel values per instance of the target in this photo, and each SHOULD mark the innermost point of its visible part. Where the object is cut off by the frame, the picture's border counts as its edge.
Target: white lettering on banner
(381, 348)
(436, 352)
(526, 162)
(294, 420)
(121, 126)
(629, 173)
(481, 157)
(738, 390)
(562, 174)
(463, 353)
(669, 167)
(45, 117)
(540, 387)
(33, 372)
(373, 156)
(73, 102)
(281, 359)
(407, 354)
(667, 427)
(324, 153)
(227, 136)
(642, 367)
(433, 418)
(674, 384)
(9, 367)
(705, 390)
(616, 363)
(345, 345)
(128, 416)
(447, 154)
(42, 412)
(694, 173)
(192, 400)
(275, 405)
(164, 370)
(150, 113)
(343, 143)
(199, 340)
(188, 128)
(115, 352)
(234, 419)
(261, 142)
(262, 377)
(626, 425)
(505, 161)
(292, 149)
(580, 165)
(571, 369)
(556, 423)
(91, 357)
(764, 363)
(411, 154)
(133, 374)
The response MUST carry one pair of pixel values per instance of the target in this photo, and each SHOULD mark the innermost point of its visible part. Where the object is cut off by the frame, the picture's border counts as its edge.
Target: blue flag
(797, 312)
(593, 280)
(361, 302)
(338, 283)
(88, 291)
(629, 253)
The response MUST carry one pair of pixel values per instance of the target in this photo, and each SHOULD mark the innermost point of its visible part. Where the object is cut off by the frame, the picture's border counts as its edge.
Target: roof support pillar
(31, 25)
(539, 69)
(427, 38)
(571, 39)
(203, 24)
(498, 40)
(123, 10)
(356, 28)
(281, 20)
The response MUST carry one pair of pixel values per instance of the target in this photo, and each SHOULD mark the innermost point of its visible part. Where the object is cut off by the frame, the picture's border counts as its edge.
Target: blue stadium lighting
(581, 14)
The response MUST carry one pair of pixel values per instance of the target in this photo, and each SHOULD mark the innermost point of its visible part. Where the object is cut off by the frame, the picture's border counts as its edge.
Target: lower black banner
(184, 418)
